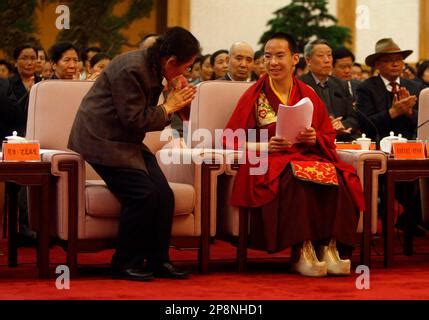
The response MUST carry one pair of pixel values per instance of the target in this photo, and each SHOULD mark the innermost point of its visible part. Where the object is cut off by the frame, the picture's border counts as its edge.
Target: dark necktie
(395, 88)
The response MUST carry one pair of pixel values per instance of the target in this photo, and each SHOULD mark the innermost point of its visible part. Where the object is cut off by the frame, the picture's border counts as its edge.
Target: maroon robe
(258, 190)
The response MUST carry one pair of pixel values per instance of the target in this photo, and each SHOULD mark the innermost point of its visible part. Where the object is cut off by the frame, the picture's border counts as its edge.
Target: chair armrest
(357, 159)
(69, 167)
(183, 165)
(55, 157)
(199, 168)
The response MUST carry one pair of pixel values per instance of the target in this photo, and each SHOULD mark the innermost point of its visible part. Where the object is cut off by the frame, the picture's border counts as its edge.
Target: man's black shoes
(133, 274)
(168, 270)
(162, 270)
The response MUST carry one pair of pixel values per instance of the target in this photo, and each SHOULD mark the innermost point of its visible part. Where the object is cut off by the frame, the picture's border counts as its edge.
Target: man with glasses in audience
(389, 103)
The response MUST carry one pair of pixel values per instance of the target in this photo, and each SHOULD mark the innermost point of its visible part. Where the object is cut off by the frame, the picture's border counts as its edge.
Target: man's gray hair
(309, 47)
(238, 44)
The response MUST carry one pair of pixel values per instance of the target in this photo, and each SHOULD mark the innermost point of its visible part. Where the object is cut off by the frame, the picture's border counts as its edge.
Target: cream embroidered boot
(335, 265)
(305, 262)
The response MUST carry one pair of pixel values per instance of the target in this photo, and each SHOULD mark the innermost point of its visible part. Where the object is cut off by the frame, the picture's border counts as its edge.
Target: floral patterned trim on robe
(265, 114)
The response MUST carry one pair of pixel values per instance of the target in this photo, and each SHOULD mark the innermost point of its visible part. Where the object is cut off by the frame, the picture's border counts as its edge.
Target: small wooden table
(397, 171)
(37, 176)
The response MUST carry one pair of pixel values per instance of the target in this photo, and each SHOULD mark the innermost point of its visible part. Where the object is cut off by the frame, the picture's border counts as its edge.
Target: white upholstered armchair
(211, 109)
(86, 214)
(423, 134)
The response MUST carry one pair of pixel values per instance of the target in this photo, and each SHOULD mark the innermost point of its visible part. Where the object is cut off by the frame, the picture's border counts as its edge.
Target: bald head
(240, 61)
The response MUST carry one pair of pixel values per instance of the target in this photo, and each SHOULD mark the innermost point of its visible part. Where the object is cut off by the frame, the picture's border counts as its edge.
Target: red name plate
(409, 150)
(21, 152)
(348, 146)
(352, 146)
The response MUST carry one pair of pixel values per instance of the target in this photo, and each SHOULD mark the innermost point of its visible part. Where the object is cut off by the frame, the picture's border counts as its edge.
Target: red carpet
(267, 278)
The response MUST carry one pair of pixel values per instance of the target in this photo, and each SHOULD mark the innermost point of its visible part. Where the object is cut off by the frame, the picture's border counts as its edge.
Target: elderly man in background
(333, 91)
(240, 65)
(387, 103)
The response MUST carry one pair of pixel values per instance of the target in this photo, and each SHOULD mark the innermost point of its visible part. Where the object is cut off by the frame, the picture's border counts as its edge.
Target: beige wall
(218, 23)
(397, 19)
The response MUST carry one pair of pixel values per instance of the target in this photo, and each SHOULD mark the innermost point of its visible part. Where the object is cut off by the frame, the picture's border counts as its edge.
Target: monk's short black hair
(293, 47)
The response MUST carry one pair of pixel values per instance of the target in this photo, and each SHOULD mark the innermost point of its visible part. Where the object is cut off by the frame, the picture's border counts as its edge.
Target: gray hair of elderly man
(309, 47)
(239, 43)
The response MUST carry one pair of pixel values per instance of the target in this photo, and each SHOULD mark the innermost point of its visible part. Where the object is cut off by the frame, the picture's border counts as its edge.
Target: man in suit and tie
(387, 100)
(343, 60)
(333, 92)
(387, 103)
(110, 125)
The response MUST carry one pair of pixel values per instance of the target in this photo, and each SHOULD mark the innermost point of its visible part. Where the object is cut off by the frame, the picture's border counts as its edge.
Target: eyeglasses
(25, 58)
(391, 59)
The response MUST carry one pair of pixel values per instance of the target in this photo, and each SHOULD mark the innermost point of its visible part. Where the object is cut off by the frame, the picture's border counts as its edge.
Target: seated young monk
(311, 217)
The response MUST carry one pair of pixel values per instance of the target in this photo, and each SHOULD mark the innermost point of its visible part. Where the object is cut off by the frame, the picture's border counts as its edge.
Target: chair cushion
(101, 203)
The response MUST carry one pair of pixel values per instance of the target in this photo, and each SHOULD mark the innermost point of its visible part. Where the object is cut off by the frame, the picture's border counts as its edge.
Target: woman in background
(64, 58)
(97, 64)
(219, 60)
(423, 73)
(42, 57)
(6, 69)
(206, 70)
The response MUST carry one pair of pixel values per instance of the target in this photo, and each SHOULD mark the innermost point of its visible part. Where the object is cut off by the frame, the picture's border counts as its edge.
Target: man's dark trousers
(147, 212)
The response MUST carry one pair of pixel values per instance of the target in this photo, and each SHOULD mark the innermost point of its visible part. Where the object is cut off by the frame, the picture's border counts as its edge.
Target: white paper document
(291, 120)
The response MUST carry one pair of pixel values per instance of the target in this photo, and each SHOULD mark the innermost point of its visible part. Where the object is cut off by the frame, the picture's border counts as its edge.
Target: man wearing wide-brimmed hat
(389, 103)
(388, 100)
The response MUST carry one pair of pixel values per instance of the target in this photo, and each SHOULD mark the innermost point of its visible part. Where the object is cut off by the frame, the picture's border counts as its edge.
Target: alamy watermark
(63, 280)
(363, 21)
(362, 281)
(232, 145)
(63, 20)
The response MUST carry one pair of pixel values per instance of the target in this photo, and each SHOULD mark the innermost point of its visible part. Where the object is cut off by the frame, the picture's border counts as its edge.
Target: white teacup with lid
(386, 142)
(14, 138)
(364, 142)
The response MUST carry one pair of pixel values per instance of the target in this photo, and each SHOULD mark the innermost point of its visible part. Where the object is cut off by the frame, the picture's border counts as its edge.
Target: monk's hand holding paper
(278, 144)
(308, 136)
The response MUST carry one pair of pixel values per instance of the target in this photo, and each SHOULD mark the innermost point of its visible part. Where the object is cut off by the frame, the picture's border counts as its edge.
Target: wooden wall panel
(346, 15)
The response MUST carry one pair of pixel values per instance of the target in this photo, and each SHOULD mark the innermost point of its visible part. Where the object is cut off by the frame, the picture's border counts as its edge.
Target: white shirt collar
(387, 83)
(247, 80)
(318, 82)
